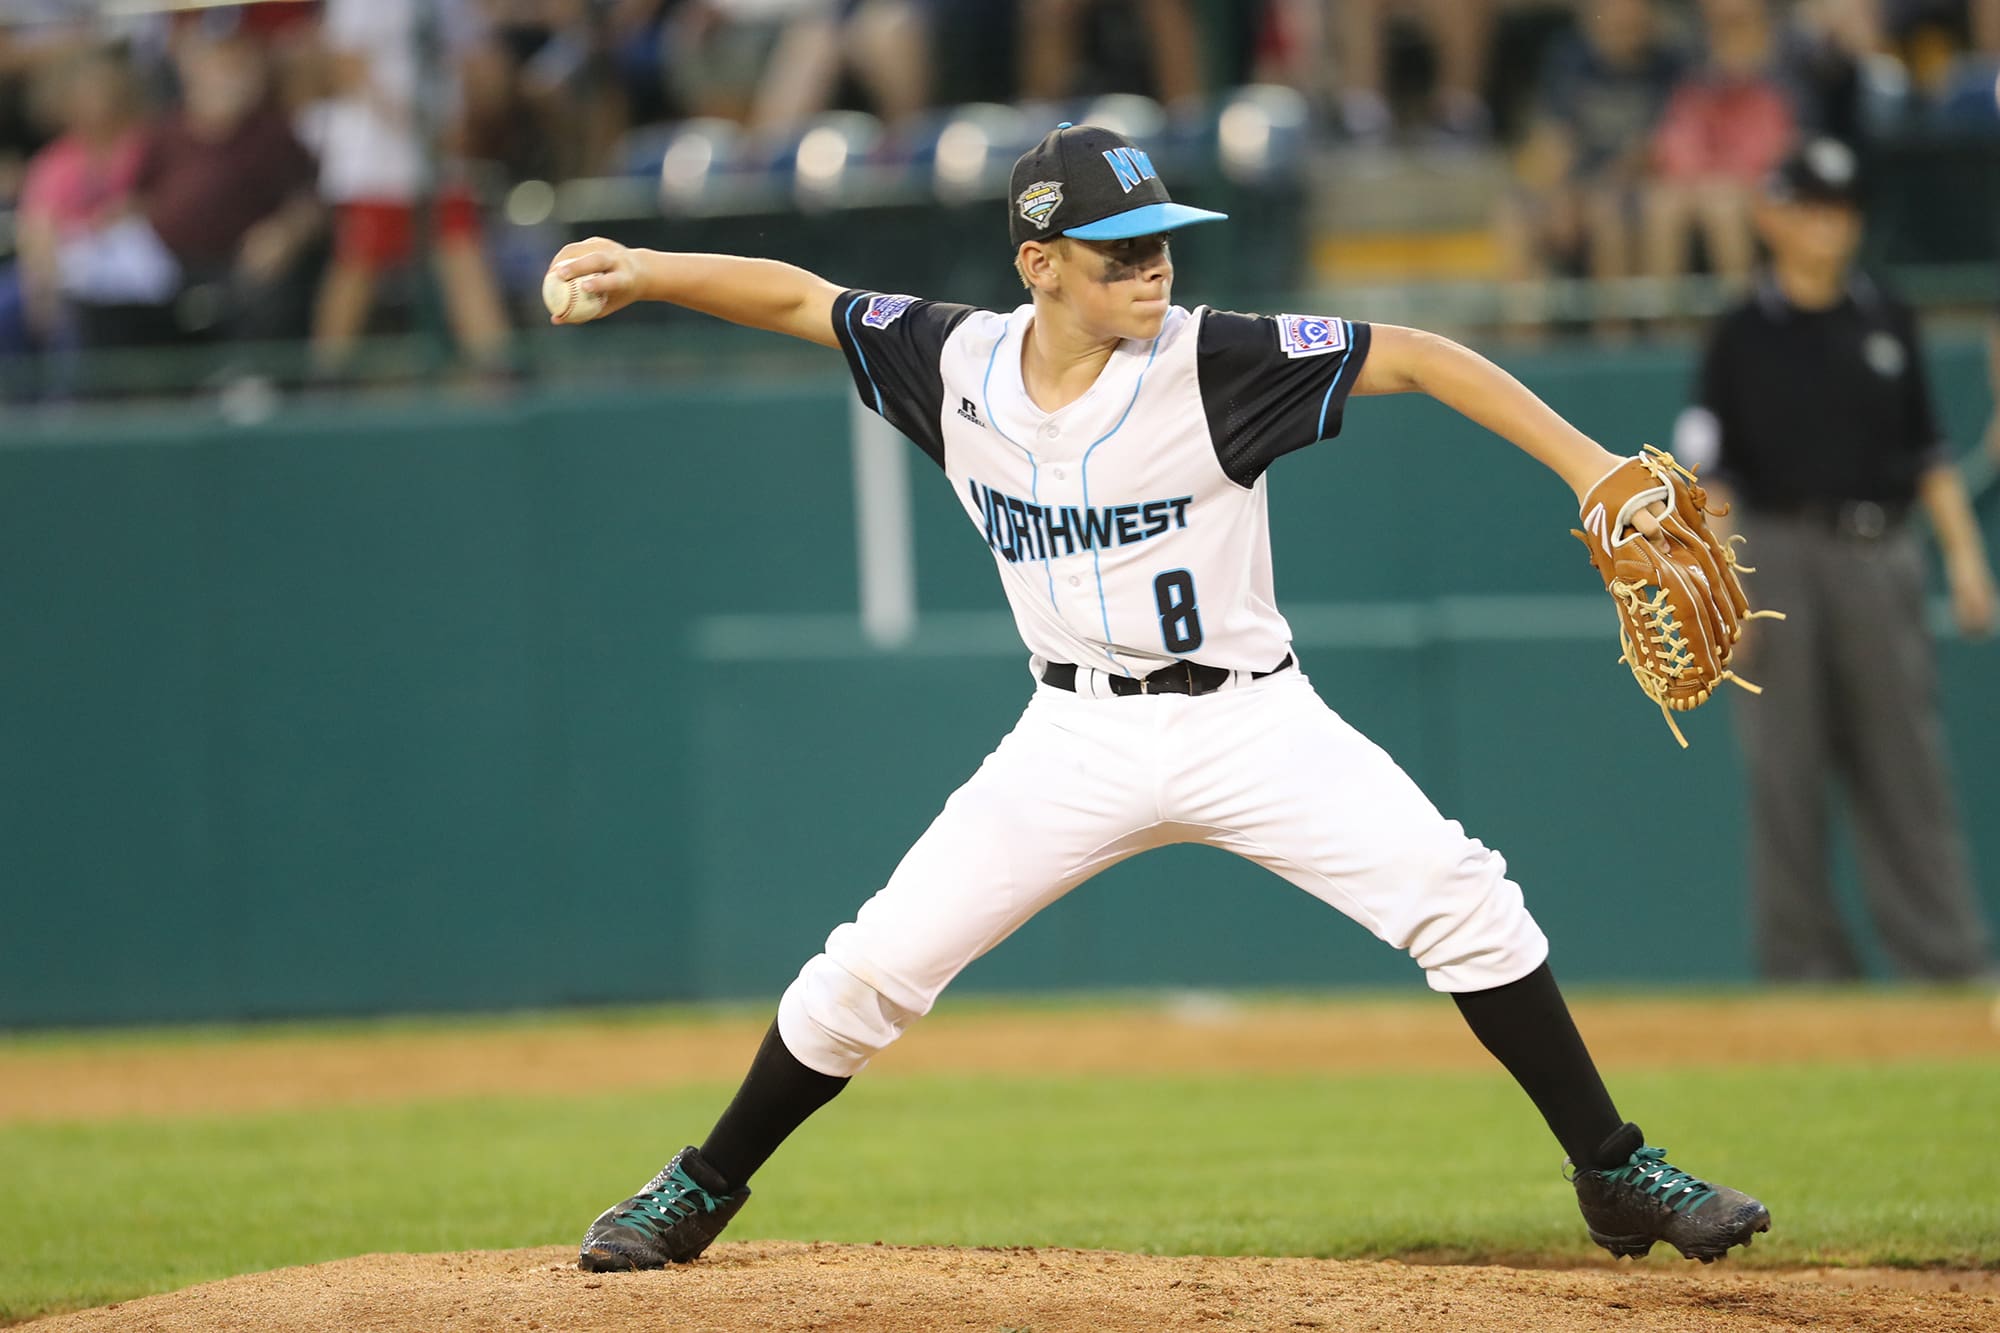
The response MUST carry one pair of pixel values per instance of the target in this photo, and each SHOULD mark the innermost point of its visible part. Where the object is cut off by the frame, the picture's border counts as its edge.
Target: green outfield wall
(564, 700)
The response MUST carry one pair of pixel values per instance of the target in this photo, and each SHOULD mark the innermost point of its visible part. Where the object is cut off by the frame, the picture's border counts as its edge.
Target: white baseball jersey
(1130, 531)
(1129, 527)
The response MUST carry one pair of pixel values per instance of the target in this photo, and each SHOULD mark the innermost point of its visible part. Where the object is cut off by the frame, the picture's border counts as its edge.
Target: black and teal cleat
(1645, 1198)
(671, 1221)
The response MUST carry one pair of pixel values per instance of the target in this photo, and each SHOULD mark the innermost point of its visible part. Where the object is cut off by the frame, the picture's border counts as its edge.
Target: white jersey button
(1052, 430)
(1074, 581)
(1060, 474)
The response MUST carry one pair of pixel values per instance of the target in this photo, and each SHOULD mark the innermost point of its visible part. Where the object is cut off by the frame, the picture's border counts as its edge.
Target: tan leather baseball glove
(1680, 601)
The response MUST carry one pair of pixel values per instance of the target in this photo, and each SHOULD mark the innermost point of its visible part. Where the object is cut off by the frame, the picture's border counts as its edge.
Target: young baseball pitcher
(1110, 448)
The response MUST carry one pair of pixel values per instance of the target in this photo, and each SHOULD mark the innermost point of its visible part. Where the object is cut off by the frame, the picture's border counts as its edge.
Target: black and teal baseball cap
(1088, 182)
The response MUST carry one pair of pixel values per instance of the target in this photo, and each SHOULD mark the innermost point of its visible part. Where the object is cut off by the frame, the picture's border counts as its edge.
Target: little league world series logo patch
(886, 310)
(1039, 202)
(1310, 335)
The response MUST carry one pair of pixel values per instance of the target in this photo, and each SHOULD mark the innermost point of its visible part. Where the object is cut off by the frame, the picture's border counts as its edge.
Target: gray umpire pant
(1850, 693)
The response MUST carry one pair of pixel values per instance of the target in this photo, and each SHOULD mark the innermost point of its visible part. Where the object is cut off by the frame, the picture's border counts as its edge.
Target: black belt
(1180, 678)
(1866, 519)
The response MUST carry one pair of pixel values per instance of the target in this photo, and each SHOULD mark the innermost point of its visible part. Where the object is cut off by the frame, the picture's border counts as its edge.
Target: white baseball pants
(1265, 770)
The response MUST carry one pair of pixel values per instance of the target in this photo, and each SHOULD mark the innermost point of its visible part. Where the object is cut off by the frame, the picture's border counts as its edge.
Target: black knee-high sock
(1528, 1028)
(776, 1097)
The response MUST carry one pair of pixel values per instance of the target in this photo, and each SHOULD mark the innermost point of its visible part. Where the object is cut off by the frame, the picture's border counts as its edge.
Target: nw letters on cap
(1131, 166)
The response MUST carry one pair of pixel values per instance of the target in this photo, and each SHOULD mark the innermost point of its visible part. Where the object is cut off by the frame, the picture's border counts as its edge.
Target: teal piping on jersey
(848, 319)
(1096, 563)
(1034, 468)
(1338, 371)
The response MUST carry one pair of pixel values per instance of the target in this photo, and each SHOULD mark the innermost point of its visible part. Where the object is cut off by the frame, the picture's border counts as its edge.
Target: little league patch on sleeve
(1310, 335)
(886, 310)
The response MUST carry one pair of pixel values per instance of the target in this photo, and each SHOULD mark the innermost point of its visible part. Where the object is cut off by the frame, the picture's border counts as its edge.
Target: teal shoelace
(1650, 1170)
(671, 1197)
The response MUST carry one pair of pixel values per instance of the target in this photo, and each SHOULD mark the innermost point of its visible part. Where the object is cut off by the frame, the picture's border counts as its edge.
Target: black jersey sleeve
(1271, 384)
(893, 346)
(1923, 436)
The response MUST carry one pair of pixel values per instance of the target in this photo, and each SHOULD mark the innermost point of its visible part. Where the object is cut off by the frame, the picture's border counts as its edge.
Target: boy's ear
(1035, 262)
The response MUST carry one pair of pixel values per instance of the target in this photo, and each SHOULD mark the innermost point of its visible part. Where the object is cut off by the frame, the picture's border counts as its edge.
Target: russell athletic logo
(969, 412)
(1039, 202)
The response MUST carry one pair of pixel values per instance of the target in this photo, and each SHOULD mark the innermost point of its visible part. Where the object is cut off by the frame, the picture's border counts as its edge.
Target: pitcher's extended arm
(759, 293)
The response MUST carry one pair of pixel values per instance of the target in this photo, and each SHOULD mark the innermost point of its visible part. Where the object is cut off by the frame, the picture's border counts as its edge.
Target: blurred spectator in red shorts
(1728, 124)
(384, 137)
(1584, 165)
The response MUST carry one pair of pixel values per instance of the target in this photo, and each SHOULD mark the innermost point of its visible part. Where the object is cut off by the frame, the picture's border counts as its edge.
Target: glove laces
(1664, 657)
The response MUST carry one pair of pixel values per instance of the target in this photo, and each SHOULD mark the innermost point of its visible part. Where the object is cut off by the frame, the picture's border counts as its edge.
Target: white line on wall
(1585, 618)
(886, 567)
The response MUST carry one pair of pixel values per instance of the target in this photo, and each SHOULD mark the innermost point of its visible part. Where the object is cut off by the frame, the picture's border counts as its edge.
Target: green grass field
(1860, 1165)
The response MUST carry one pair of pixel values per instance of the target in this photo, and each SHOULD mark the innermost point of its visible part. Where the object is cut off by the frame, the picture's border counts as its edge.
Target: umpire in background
(1814, 415)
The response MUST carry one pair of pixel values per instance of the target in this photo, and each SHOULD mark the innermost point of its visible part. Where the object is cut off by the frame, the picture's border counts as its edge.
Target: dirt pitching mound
(886, 1289)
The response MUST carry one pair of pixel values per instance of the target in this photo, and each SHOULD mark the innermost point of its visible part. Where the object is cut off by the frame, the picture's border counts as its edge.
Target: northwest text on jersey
(1024, 530)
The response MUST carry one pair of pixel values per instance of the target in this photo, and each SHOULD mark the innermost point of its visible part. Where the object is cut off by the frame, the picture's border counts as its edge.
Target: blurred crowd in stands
(268, 170)
(1652, 127)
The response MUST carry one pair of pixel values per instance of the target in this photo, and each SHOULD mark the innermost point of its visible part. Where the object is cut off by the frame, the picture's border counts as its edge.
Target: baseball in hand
(568, 301)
